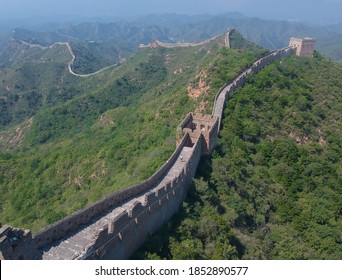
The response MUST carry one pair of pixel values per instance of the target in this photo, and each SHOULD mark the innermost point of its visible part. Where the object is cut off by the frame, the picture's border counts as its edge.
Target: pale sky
(308, 10)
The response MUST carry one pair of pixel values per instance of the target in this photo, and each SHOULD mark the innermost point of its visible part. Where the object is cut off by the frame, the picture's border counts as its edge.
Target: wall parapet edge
(229, 88)
(83, 216)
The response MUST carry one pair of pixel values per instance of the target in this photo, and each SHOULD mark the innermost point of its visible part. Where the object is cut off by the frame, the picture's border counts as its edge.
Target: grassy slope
(35, 79)
(272, 189)
(108, 137)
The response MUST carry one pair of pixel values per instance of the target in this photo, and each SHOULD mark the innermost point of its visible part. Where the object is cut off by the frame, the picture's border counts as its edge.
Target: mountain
(272, 187)
(336, 27)
(117, 128)
(100, 44)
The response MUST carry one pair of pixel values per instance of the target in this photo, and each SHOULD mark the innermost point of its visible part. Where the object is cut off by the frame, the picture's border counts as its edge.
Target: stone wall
(156, 44)
(16, 244)
(228, 89)
(227, 38)
(123, 235)
(303, 46)
(83, 216)
(197, 124)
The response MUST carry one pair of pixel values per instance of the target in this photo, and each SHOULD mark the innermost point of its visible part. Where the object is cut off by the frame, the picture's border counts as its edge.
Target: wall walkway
(128, 220)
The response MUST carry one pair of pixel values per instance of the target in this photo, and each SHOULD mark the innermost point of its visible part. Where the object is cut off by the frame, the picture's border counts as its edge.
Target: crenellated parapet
(228, 89)
(125, 232)
(227, 38)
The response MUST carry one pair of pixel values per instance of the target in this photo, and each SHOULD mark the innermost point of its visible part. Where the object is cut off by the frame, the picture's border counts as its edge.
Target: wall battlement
(227, 38)
(115, 226)
(156, 43)
(228, 89)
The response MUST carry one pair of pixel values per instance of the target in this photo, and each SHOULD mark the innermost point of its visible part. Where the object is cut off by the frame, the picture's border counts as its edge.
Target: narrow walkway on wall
(77, 244)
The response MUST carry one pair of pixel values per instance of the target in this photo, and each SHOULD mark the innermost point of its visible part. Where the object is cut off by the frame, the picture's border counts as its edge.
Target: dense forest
(272, 187)
(110, 135)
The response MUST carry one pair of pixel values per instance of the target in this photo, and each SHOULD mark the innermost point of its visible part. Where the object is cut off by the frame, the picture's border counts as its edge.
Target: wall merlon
(143, 216)
(164, 200)
(153, 208)
(135, 209)
(175, 192)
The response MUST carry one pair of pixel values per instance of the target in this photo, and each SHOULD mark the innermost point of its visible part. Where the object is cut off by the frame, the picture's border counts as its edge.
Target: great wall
(72, 60)
(156, 44)
(115, 226)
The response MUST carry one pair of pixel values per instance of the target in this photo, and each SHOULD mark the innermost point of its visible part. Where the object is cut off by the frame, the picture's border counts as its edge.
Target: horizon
(314, 11)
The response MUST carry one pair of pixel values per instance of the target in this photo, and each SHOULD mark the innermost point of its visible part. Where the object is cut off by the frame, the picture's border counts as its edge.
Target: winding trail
(159, 43)
(71, 62)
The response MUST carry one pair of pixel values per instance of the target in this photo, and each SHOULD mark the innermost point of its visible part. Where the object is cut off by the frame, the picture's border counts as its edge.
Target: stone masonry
(304, 47)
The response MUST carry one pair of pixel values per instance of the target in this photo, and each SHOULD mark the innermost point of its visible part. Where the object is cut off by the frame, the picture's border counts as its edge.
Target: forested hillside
(110, 135)
(32, 78)
(272, 188)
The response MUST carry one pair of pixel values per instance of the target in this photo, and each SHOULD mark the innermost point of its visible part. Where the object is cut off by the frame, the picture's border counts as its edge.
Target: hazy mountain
(127, 35)
(336, 28)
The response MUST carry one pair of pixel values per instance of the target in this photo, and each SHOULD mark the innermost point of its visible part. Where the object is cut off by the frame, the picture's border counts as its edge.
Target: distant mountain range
(99, 44)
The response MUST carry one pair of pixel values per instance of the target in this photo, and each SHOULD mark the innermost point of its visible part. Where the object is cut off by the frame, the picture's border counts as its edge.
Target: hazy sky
(273, 9)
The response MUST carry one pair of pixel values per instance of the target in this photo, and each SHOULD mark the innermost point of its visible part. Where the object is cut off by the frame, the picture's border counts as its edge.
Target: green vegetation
(93, 56)
(272, 188)
(36, 79)
(238, 42)
(115, 132)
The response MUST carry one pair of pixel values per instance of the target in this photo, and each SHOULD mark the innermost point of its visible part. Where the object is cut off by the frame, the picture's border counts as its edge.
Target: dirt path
(71, 62)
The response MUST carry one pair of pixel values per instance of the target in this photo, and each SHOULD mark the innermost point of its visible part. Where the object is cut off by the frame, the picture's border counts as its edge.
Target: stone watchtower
(16, 244)
(304, 47)
(196, 124)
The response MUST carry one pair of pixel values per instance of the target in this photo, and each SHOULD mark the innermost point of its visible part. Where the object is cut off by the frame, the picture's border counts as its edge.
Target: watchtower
(196, 124)
(16, 244)
(304, 47)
